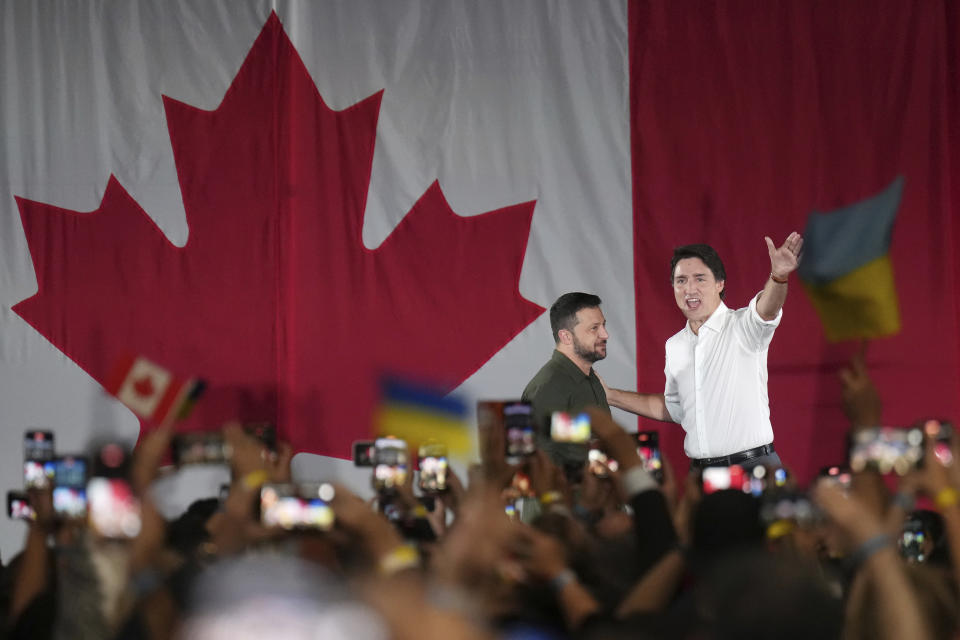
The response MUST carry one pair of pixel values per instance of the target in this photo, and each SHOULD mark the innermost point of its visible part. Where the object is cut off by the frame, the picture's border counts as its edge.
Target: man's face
(590, 335)
(696, 290)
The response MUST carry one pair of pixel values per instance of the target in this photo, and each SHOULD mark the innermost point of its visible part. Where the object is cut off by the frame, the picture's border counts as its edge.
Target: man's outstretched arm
(783, 261)
(648, 405)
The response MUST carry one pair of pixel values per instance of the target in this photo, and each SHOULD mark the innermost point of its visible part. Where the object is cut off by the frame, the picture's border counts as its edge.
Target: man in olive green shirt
(567, 381)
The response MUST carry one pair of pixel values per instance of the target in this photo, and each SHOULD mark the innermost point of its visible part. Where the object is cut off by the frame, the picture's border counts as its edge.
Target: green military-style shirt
(561, 386)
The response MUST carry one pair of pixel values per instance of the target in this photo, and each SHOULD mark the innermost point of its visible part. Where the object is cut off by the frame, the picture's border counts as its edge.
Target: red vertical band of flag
(745, 118)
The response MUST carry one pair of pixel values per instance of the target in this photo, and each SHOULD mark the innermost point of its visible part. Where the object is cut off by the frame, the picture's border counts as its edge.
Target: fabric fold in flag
(151, 391)
(417, 414)
(846, 268)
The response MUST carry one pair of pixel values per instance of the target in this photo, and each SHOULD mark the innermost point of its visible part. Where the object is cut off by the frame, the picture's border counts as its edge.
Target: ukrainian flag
(417, 413)
(846, 267)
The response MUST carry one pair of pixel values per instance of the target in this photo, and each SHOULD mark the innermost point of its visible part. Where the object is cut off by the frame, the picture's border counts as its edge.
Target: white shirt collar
(714, 322)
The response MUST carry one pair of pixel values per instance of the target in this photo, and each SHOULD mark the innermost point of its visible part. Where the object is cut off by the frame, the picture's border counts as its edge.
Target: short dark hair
(563, 313)
(706, 253)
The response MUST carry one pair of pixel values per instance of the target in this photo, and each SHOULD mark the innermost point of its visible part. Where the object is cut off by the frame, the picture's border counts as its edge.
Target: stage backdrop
(290, 198)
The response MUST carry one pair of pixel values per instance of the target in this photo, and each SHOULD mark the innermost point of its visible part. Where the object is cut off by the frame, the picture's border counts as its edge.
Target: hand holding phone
(942, 435)
(568, 427)
(303, 507)
(70, 487)
(648, 448)
(722, 478)
(599, 463)
(38, 445)
(519, 433)
(19, 507)
(886, 449)
(433, 466)
(391, 464)
(113, 509)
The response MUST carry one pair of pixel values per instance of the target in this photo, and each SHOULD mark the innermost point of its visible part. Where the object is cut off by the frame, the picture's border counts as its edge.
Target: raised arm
(783, 261)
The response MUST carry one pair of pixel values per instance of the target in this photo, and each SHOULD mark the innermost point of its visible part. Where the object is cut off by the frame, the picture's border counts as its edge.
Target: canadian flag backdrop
(290, 198)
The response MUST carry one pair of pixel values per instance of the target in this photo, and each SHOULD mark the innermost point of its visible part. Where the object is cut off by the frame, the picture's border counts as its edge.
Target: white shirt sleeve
(757, 332)
(671, 396)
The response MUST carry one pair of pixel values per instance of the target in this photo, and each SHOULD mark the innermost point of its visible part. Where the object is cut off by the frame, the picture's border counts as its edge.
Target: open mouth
(692, 303)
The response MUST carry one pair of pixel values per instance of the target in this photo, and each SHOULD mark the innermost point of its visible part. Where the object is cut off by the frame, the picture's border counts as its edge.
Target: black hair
(563, 312)
(706, 253)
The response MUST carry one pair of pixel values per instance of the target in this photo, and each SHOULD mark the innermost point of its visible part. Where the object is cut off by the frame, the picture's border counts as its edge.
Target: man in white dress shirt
(716, 367)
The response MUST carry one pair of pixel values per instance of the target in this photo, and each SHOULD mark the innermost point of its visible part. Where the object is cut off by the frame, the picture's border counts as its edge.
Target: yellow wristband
(550, 497)
(401, 558)
(419, 511)
(947, 498)
(255, 479)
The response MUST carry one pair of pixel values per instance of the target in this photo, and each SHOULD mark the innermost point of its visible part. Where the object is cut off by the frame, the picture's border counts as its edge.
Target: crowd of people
(567, 553)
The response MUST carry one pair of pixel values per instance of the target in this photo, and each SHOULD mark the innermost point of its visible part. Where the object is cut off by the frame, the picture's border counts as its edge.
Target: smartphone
(303, 507)
(648, 448)
(433, 464)
(721, 478)
(914, 542)
(568, 427)
(70, 487)
(840, 475)
(789, 507)
(391, 464)
(38, 445)
(886, 449)
(113, 511)
(18, 506)
(38, 474)
(598, 462)
(942, 435)
(200, 447)
(363, 453)
(519, 430)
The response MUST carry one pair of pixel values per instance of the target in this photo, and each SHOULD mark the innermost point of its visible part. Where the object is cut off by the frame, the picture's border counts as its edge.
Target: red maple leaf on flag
(274, 300)
(144, 387)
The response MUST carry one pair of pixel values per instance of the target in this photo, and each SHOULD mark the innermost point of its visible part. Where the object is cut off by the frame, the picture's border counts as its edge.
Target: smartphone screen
(391, 464)
(721, 478)
(599, 463)
(913, 542)
(70, 484)
(942, 435)
(567, 427)
(790, 507)
(363, 453)
(433, 468)
(648, 448)
(18, 506)
(112, 508)
(38, 474)
(200, 447)
(886, 449)
(38, 445)
(297, 507)
(518, 429)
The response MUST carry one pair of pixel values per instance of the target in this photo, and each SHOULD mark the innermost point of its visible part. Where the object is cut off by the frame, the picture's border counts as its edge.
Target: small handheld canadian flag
(152, 392)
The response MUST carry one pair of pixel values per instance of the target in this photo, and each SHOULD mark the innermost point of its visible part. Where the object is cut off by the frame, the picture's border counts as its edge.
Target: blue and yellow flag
(846, 268)
(417, 413)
